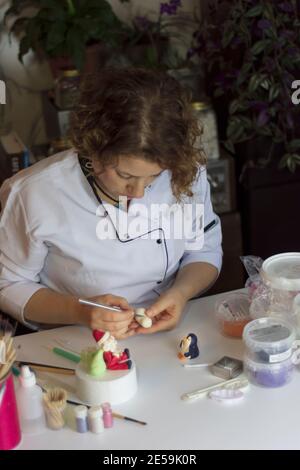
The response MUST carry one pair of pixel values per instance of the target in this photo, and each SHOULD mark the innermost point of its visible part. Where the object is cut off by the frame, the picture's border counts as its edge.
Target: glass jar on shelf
(209, 138)
(59, 145)
(67, 89)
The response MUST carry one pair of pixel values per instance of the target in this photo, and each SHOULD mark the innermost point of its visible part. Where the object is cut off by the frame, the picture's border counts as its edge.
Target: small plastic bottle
(95, 420)
(81, 418)
(30, 403)
(107, 415)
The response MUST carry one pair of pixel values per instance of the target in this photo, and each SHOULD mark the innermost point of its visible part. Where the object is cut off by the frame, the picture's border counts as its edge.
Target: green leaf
(56, 35)
(260, 46)
(229, 146)
(227, 37)
(274, 92)
(235, 129)
(290, 160)
(234, 106)
(255, 81)
(255, 11)
(24, 47)
(294, 145)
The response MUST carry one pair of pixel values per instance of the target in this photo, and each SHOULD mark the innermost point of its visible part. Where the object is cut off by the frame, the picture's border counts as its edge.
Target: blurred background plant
(152, 37)
(64, 28)
(251, 52)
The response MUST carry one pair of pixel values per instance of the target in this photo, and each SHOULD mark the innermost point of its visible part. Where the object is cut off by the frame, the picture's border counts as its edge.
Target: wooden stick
(46, 368)
(117, 415)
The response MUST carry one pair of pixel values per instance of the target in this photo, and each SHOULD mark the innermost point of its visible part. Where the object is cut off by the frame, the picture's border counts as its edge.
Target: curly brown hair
(141, 113)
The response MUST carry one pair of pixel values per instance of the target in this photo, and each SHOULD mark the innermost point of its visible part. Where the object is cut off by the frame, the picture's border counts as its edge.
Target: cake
(105, 373)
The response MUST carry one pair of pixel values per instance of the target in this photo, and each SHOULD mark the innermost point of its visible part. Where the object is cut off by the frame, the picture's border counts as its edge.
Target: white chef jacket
(48, 238)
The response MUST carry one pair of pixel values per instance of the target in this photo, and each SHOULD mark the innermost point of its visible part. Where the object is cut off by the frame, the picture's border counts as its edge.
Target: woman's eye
(124, 177)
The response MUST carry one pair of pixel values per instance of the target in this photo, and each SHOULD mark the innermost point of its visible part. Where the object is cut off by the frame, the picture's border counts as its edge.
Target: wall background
(25, 82)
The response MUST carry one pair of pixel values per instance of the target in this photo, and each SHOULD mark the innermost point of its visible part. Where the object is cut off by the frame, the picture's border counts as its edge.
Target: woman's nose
(136, 190)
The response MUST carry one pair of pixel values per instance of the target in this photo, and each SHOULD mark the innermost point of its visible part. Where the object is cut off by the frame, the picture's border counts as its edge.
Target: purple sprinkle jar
(269, 375)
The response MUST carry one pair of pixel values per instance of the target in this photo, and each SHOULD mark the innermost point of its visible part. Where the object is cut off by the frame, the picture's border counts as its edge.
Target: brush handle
(67, 355)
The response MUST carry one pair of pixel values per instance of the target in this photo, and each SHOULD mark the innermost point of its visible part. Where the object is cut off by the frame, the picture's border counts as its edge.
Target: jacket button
(159, 241)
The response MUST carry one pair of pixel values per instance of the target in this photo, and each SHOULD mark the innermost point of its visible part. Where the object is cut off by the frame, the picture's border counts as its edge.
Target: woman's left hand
(165, 312)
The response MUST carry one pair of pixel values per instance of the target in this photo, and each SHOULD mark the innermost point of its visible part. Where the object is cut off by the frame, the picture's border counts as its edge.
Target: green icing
(93, 361)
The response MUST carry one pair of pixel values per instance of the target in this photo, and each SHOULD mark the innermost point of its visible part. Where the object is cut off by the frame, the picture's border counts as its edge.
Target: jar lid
(81, 411)
(261, 366)
(282, 271)
(200, 105)
(61, 144)
(70, 73)
(268, 332)
(95, 412)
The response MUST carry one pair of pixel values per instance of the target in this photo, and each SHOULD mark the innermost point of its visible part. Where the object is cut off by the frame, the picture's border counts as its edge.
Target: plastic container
(209, 138)
(281, 276)
(67, 89)
(108, 419)
(232, 314)
(80, 413)
(269, 340)
(30, 403)
(95, 419)
(269, 375)
(282, 272)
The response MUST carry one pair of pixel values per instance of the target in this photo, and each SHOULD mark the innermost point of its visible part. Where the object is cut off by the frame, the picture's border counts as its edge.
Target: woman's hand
(165, 312)
(98, 318)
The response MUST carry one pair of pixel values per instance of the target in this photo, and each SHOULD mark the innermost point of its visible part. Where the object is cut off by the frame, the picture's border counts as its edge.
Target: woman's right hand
(98, 318)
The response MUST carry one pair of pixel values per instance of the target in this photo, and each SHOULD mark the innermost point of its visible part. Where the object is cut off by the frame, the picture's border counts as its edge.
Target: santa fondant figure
(114, 357)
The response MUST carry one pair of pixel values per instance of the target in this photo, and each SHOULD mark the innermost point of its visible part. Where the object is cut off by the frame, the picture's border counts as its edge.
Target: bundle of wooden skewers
(7, 351)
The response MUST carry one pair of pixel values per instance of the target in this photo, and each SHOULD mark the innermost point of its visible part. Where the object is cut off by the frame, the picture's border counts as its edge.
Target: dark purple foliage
(263, 118)
(170, 8)
(264, 24)
(287, 7)
(142, 22)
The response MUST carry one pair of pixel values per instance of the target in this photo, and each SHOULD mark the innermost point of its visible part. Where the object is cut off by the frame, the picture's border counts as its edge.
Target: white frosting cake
(114, 386)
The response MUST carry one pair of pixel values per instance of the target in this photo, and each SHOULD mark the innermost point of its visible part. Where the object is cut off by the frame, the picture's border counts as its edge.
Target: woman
(62, 232)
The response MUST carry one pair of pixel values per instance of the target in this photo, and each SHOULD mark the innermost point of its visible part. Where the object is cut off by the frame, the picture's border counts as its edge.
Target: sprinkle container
(269, 340)
(232, 314)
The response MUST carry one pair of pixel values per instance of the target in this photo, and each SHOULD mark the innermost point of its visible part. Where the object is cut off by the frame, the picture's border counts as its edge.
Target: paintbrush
(46, 387)
(47, 368)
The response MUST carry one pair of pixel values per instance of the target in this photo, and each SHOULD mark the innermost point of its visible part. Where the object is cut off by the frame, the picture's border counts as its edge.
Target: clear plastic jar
(269, 340)
(279, 285)
(67, 89)
(209, 138)
(232, 313)
(269, 375)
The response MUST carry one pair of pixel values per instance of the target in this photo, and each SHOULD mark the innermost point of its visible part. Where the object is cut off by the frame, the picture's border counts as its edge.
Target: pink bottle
(10, 433)
(108, 420)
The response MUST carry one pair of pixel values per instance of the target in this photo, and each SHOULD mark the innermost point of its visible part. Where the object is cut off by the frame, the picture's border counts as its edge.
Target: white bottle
(30, 403)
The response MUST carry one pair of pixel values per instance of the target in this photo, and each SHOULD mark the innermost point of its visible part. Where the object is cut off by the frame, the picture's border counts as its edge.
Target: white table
(264, 419)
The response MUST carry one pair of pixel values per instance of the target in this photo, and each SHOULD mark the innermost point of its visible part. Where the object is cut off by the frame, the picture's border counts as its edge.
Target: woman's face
(129, 178)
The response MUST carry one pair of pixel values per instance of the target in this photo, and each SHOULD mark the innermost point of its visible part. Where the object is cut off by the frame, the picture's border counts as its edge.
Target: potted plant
(62, 30)
(251, 49)
(149, 42)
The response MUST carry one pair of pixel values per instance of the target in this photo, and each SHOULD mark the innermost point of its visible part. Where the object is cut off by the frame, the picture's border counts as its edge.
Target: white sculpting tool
(95, 304)
(139, 313)
(238, 383)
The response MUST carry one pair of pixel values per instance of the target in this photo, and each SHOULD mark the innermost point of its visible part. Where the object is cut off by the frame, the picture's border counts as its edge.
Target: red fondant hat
(100, 336)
